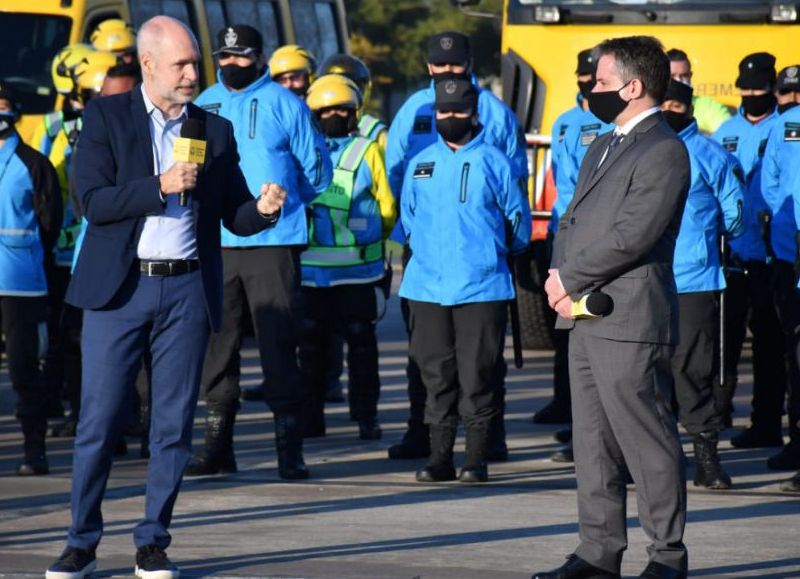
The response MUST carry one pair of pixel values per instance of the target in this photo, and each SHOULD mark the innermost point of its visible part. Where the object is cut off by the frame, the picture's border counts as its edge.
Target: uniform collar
(768, 117)
(476, 140)
(337, 143)
(9, 147)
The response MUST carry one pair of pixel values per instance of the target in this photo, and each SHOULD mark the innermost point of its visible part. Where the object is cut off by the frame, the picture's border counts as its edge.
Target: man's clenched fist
(180, 177)
(271, 199)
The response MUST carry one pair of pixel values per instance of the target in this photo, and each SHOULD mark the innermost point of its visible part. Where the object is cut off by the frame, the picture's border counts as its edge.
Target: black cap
(757, 71)
(679, 91)
(240, 39)
(586, 63)
(7, 93)
(449, 48)
(789, 79)
(456, 94)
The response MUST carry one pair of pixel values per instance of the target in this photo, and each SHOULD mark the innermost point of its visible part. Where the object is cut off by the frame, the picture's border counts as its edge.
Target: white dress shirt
(169, 235)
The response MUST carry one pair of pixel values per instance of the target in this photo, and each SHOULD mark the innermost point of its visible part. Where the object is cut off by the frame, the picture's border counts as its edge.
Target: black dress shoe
(436, 473)
(660, 571)
(755, 438)
(576, 568)
(474, 474)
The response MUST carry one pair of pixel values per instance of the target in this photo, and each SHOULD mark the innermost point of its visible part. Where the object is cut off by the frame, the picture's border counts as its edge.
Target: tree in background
(391, 38)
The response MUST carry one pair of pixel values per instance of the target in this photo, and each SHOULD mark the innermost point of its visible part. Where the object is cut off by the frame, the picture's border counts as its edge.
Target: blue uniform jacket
(414, 128)
(714, 205)
(30, 215)
(463, 211)
(582, 131)
(780, 182)
(747, 142)
(559, 129)
(279, 143)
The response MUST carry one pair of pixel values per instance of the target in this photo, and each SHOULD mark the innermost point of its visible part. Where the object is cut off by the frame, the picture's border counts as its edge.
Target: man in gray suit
(618, 237)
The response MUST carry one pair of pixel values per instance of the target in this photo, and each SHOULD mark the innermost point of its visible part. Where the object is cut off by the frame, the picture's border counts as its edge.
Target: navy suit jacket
(116, 189)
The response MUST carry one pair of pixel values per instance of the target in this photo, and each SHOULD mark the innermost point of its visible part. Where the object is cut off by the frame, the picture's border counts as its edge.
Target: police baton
(723, 259)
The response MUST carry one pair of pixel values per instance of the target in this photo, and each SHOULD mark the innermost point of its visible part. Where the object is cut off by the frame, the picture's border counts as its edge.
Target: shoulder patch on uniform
(791, 132)
(423, 124)
(212, 108)
(730, 144)
(424, 170)
(589, 133)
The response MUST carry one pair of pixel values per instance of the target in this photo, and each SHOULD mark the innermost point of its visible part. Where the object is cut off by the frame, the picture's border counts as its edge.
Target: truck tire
(536, 318)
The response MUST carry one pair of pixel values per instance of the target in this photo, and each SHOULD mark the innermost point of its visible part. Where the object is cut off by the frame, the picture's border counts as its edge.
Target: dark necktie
(616, 139)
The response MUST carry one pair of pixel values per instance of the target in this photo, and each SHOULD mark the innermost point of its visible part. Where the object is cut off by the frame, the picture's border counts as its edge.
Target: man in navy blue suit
(149, 277)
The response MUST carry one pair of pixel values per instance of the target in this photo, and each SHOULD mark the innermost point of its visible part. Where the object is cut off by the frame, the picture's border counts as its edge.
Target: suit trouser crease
(166, 316)
(267, 281)
(457, 350)
(621, 406)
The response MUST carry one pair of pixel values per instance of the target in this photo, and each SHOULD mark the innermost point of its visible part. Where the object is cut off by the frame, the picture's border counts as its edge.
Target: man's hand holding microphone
(181, 177)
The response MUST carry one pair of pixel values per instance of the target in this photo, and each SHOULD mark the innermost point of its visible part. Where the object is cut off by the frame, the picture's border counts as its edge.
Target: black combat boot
(416, 443)
(35, 463)
(289, 445)
(477, 443)
(217, 457)
(708, 470)
(440, 464)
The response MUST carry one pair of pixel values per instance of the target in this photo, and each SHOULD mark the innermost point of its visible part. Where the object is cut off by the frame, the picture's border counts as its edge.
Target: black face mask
(453, 129)
(758, 105)
(585, 88)
(7, 121)
(299, 91)
(678, 121)
(238, 77)
(785, 107)
(438, 76)
(338, 126)
(607, 105)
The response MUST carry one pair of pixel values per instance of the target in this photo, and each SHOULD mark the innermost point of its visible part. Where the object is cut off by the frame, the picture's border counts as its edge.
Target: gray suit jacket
(618, 233)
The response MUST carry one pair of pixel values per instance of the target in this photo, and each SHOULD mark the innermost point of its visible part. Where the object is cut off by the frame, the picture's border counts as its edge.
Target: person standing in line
(278, 142)
(30, 219)
(464, 212)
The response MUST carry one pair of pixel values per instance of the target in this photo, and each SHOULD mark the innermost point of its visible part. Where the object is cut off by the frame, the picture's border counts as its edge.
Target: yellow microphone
(190, 147)
(592, 305)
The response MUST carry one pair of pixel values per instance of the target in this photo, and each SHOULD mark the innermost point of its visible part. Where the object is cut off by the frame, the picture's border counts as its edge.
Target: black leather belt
(171, 267)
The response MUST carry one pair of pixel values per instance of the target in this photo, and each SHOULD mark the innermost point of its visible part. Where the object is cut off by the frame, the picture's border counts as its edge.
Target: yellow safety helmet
(351, 67)
(290, 58)
(113, 35)
(333, 90)
(64, 62)
(90, 73)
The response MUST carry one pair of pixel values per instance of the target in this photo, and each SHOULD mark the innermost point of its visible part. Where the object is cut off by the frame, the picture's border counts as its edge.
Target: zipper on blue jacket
(318, 168)
(253, 112)
(464, 179)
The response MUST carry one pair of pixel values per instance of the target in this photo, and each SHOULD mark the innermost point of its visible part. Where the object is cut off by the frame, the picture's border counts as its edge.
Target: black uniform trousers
(695, 363)
(749, 301)
(457, 349)
(349, 311)
(266, 280)
(787, 300)
(21, 318)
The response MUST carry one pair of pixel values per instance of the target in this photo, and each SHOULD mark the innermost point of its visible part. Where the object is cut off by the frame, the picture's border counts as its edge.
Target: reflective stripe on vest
(369, 126)
(337, 199)
(52, 124)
